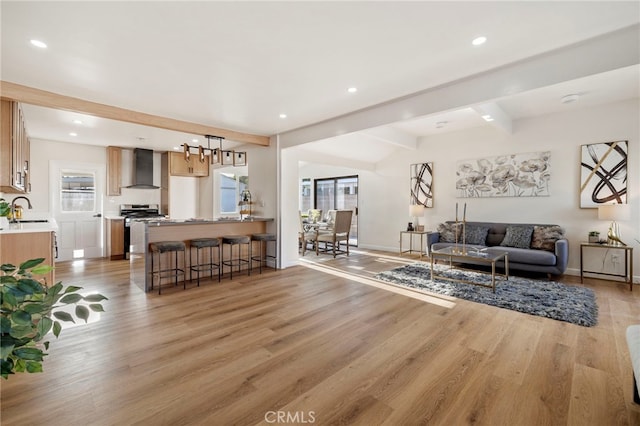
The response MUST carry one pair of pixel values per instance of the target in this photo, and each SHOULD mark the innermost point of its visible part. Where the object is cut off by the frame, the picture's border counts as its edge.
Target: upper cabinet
(114, 170)
(14, 149)
(192, 168)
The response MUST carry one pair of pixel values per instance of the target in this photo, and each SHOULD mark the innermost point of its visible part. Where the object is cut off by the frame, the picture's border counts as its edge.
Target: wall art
(515, 175)
(422, 184)
(603, 174)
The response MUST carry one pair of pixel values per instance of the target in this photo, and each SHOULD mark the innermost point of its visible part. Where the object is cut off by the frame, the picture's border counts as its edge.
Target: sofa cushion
(476, 234)
(496, 234)
(447, 232)
(518, 236)
(528, 256)
(545, 237)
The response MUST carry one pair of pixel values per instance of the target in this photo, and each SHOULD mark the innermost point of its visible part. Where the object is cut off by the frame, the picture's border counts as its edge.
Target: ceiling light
(77, 121)
(569, 98)
(487, 117)
(283, 115)
(194, 140)
(479, 40)
(352, 89)
(38, 43)
(176, 148)
(73, 134)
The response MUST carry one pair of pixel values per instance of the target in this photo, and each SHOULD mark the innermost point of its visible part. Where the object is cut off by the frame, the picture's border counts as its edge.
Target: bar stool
(167, 247)
(264, 239)
(233, 240)
(204, 243)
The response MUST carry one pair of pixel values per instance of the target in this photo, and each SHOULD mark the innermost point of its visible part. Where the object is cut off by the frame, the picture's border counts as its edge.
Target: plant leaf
(94, 297)
(64, 316)
(6, 348)
(82, 312)
(30, 286)
(44, 326)
(71, 298)
(34, 367)
(7, 267)
(42, 269)
(5, 325)
(72, 289)
(96, 307)
(21, 317)
(36, 307)
(57, 328)
(31, 263)
(33, 354)
(23, 331)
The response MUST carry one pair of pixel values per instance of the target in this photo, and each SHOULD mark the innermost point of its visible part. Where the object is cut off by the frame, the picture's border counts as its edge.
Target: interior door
(77, 191)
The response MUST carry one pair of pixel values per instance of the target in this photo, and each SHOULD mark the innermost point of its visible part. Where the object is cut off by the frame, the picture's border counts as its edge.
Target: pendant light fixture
(216, 155)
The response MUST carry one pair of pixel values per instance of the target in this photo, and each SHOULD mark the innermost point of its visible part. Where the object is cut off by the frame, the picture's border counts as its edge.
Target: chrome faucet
(13, 207)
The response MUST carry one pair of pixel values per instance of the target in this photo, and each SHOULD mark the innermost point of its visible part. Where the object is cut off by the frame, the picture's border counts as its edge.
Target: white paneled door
(76, 201)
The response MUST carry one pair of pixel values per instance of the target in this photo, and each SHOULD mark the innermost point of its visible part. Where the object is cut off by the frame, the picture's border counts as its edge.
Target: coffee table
(487, 256)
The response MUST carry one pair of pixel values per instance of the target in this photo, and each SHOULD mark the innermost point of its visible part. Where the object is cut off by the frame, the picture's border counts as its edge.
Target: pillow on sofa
(545, 237)
(518, 236)
(448, 232)
(476, 234)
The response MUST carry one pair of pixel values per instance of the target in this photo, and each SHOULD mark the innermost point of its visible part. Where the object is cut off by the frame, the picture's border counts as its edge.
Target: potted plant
(5, 209)
(594, 236)
(29, 311)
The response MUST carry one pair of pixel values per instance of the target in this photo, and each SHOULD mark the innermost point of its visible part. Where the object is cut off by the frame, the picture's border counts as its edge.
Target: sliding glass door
(339, 193)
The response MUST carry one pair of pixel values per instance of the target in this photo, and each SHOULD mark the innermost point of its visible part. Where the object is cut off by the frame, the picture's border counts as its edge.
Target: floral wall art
(422, 184)
(515, 175)
(603, 174)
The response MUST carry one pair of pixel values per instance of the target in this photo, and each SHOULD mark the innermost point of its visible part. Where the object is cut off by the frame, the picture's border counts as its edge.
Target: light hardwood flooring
(320, 343)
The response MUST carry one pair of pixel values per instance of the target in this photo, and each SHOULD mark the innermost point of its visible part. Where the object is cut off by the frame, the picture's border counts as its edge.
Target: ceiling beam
(30, 95)
(392, 136)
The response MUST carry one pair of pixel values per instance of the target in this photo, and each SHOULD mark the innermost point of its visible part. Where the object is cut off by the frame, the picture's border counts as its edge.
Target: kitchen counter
(143, 233)
(29, 226)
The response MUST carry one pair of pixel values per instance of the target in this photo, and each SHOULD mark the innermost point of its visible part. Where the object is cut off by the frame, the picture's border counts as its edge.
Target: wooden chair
(335, 236)
(306, 236)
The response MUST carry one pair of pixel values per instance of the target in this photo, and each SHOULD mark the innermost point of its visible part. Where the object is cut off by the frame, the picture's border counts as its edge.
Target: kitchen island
(143, 233)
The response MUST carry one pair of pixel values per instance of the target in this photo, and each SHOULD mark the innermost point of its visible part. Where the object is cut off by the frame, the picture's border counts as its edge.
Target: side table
(628, 262)
(422, 234)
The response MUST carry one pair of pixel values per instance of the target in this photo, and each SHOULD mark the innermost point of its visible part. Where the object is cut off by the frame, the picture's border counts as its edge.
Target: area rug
(543, 298)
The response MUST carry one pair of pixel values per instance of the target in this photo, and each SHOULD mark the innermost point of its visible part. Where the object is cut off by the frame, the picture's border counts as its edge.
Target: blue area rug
(543, 298)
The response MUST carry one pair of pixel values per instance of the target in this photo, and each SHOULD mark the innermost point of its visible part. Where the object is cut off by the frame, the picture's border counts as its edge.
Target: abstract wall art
(515, 175)
(603, 174)
(422, 184)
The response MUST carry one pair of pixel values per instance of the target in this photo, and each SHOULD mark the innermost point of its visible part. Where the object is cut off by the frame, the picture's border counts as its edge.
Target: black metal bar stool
(263, 255)
(237, 240)
(204, 243)
(168, 247)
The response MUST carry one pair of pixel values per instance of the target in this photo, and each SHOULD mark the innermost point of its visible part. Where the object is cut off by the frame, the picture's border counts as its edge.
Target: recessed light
(38, 43)
(569, 98)
(352, 89)
(283, 115)
(194, 140)
(77, 121)
(487, 117)
(176, 148)
(73, 134)
(479, 40)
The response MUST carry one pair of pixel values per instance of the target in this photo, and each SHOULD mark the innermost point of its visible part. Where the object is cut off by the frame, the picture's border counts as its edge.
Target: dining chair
(337, 235)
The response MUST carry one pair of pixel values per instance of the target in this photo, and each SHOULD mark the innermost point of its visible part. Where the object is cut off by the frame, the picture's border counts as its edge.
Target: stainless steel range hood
(143, 169)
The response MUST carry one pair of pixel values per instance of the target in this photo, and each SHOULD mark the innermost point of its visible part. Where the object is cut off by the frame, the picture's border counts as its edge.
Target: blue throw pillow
(518, 236)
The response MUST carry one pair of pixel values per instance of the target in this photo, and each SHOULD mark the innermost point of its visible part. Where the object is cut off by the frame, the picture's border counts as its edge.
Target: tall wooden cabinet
(114, 170)
(14, 149)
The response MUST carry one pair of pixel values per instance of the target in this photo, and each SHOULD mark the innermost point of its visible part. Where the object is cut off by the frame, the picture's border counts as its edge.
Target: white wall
(384, 193)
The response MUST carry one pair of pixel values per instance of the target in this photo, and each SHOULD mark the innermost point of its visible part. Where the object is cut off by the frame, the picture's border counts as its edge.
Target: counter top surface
(26, 227)
(173, 222)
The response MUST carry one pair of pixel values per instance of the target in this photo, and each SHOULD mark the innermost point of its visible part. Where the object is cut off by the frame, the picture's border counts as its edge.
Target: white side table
(628, 262)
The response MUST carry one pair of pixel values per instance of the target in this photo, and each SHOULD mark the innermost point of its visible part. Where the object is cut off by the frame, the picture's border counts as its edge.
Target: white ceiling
(239, 65)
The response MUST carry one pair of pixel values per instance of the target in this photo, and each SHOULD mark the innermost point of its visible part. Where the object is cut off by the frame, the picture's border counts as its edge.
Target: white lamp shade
(416, 210)
(614, 212)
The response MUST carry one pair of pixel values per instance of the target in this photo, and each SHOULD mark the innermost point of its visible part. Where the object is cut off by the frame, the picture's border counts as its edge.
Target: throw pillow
(476, 234)
(545, 237)
(447, 233)
(518, 236)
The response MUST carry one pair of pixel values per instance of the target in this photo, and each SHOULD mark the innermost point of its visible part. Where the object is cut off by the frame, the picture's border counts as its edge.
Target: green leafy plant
(5, 207)
(29, 310)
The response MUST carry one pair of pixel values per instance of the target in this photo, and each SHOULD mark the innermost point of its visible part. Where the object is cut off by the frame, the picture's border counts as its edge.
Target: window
(231, 185)
(305, 195)
(77, 191)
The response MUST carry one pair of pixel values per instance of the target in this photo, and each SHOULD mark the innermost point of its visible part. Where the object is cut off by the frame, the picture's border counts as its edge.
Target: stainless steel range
(137, 212)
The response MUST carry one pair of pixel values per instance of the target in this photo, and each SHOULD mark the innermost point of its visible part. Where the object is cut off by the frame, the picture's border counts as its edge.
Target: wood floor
(318, 344)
